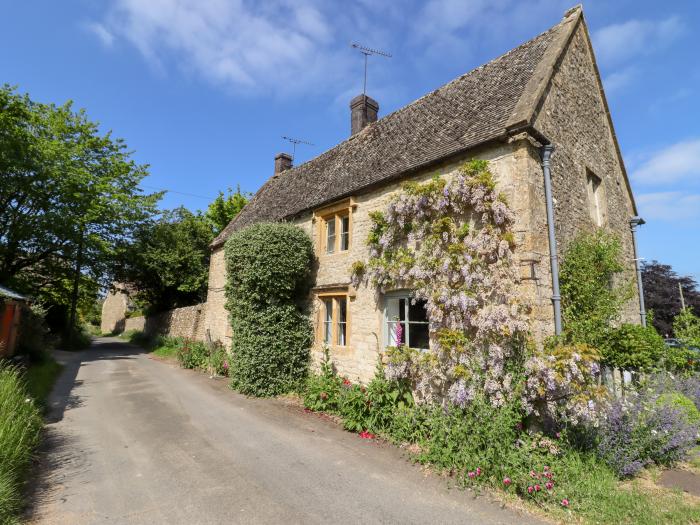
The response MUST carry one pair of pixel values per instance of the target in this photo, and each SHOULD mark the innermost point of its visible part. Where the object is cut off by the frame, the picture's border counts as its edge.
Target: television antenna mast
(294, 143)
(367, 52)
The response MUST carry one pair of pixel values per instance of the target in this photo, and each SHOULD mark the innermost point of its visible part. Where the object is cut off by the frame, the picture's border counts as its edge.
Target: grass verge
(40, 378)
(20, 427)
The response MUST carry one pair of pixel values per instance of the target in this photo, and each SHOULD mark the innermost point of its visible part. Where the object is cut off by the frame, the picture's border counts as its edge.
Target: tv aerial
(367, 51)
(294, 143)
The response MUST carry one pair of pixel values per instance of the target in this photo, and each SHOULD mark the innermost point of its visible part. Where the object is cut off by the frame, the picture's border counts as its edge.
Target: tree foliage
(662, 296)
(634, 347)
(591, 291)
(65, 189)
(686, 326)
(167, 261)
(224, 208)
(268, 268)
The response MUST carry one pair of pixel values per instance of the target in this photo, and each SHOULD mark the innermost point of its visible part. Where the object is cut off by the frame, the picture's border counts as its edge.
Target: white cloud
(101, 33)
(277, 46)
(619, 42)
(669, 206)
(678, 162)
(619, 79)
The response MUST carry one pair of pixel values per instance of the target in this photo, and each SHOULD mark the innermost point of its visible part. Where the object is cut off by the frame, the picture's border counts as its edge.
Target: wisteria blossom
(451, 243)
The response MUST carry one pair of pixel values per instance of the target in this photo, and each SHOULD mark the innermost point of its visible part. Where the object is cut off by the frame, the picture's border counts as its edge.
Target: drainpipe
(634, 222)
(554, 260)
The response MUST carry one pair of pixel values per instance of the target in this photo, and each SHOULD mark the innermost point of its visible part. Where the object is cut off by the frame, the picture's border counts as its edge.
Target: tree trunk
(76, 287)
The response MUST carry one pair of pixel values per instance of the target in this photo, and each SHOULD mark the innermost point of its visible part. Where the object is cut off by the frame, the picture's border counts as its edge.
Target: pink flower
(471, 475)
(478, 471)
(548, 475)
(346, 381)
(366, 435)
(565, 502)
(546, 468)
(533, 474)
(507, 481)
(549, 485)
(530, 489)
(537, 488)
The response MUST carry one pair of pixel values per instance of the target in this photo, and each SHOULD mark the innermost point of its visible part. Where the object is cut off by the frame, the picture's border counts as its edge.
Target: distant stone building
(545, 92)
(114, 309)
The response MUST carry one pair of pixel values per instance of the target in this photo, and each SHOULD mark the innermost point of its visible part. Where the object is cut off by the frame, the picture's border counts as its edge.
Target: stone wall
(574, 117)
(189, 322)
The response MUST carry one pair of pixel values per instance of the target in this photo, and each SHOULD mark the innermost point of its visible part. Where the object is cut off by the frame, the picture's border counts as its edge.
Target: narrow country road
(132, 439)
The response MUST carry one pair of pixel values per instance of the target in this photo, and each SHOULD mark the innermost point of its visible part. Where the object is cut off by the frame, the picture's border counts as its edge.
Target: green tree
(167, 261)
(68, 194)
(225, 208)
(591, 288)
(686, 327)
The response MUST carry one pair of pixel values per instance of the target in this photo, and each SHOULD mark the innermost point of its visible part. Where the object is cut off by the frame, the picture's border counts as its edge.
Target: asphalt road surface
(132, 439)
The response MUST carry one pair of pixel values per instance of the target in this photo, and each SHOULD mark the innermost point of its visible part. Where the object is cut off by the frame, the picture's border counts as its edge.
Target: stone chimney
(363, 111)
(283, 161)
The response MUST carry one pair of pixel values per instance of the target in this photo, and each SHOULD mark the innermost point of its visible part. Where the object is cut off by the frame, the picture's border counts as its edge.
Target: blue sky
(203, 90)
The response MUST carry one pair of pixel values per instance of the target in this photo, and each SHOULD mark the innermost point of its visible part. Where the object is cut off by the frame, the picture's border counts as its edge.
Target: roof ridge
(525, 109)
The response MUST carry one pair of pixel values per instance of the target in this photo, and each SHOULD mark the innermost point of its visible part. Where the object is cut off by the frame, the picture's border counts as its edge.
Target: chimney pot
(283, 162)
(363, 111)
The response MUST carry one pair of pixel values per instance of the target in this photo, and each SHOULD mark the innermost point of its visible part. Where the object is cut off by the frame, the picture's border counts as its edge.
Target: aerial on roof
(479, 106)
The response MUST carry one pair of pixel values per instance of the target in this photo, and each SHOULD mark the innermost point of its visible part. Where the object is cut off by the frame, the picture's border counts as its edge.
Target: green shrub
(684, 404)
(268, 267)
(34, 339)
(20, 426)
(633, 347)
(193, 354)
(218, 359)
(322, 391)
(591, 292)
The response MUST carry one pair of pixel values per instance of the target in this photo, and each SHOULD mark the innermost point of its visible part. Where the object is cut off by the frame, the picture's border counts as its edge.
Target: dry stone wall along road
(132, 439)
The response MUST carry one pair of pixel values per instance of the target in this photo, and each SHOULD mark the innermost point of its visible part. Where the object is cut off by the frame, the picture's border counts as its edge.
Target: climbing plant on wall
(268, 268)
(451, 243)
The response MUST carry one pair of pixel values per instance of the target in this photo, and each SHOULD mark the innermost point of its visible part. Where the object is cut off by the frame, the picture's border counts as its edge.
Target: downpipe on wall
(634, 222)
(553, 255)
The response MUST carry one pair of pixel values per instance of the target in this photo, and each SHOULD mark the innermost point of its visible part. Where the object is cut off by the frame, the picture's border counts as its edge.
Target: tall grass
(20, 426)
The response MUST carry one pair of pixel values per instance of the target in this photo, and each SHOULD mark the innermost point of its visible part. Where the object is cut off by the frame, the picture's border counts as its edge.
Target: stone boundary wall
(189, 322)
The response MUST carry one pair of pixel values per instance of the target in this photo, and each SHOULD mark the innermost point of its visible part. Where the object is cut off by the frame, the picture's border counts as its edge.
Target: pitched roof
(477, 107)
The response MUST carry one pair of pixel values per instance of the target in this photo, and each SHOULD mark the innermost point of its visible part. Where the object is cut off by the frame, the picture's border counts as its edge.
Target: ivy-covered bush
(268, 267)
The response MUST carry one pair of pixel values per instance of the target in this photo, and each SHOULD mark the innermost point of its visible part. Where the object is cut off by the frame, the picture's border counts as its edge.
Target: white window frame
(396, 296)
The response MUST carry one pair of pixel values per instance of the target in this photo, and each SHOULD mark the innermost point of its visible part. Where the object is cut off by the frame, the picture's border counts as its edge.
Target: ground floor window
(410, 315)
(334, 320)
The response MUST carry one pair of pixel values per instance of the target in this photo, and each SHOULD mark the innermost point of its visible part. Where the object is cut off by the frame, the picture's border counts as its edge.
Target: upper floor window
(337, 232)
(406, 321)
(335, 227)
(595, 198)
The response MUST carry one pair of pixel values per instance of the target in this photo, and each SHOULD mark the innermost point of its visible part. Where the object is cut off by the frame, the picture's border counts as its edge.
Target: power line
(178, 192)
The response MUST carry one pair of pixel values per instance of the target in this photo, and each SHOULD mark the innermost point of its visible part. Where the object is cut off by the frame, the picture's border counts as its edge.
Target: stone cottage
(545, 95)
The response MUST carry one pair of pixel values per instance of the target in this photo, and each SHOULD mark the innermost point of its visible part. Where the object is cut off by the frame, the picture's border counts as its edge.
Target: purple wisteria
(450, 241)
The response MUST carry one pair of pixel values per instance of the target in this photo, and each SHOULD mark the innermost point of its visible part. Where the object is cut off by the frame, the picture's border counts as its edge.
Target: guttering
(553, 257)
(634, 222)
